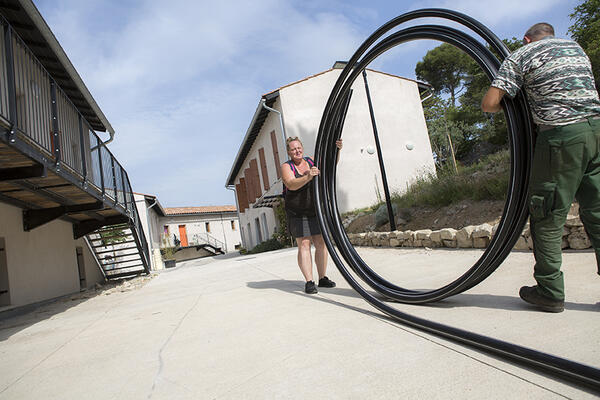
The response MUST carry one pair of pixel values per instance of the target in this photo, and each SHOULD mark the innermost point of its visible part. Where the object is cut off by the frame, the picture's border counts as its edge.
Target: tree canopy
(453, 115)
(586, 31)
(445, 68)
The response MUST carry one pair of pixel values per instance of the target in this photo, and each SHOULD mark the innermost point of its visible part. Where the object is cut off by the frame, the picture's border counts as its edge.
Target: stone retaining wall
(574, 237)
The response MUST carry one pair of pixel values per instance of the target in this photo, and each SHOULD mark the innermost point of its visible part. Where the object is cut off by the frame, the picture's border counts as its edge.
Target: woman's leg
(320, 255)
(304, 258)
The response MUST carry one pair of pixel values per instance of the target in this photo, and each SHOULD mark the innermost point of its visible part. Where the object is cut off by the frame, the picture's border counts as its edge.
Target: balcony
(52, 162)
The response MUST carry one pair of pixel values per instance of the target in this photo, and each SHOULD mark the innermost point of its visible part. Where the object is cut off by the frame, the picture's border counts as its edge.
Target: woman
(300, 210)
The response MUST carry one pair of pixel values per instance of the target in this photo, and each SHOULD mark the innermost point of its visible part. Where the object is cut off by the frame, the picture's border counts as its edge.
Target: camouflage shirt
(557, 77)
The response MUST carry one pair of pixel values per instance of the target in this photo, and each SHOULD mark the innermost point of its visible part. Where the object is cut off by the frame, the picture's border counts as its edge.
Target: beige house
(296, 110)
(67, 214)
(197, 231)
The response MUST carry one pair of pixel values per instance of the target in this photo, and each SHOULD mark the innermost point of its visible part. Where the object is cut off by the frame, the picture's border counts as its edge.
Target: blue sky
(180, 80)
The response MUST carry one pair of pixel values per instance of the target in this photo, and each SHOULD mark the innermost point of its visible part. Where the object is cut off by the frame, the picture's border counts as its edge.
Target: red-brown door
(183, 236)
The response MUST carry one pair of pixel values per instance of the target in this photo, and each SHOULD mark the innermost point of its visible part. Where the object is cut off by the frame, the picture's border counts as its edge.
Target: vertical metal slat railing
(35, 107)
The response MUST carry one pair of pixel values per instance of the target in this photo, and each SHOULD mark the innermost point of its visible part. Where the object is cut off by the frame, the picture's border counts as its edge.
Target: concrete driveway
(241, 327)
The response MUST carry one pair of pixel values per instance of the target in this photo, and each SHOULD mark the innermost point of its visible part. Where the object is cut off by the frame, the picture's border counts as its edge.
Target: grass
(485, 180)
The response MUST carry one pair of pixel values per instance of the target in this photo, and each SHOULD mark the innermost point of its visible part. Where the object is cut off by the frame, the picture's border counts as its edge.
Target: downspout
(149, 221)
(223, 229)
(237, 208)
(263, 102)
(110, 139)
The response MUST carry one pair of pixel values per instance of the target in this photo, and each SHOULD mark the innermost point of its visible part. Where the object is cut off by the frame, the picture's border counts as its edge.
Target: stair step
(126, 241)
(124, 274)
(108, 271)
(96, 236)
(119, 249)
(120, 262)
(113, 228)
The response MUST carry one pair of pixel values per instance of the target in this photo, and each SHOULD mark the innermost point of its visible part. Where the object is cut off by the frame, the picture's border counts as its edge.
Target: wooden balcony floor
(47, 191)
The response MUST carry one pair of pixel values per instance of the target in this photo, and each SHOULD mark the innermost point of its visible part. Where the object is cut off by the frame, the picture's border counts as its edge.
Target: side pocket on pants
(541, 202)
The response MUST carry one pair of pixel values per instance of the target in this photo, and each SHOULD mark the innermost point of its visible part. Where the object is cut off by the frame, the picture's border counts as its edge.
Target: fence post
(123, 188)
(10, 83)
(99, 147)
(55, 132)
(83, 150)
(112, 163)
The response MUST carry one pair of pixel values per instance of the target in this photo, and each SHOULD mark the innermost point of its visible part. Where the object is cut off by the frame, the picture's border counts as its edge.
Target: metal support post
(380, 157)
(112, 163)
(101, 167)
(82, 147)
(55, 132)
(10, 83)
(123, 188)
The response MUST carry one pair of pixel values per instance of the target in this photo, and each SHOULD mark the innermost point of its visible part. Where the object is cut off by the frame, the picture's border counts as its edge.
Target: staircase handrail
(205, 238)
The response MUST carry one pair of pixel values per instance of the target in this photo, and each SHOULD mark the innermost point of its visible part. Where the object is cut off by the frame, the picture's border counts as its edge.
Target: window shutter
(255, 178)
(249, 185)
(275, 154)
(263, 168)
(242, 194)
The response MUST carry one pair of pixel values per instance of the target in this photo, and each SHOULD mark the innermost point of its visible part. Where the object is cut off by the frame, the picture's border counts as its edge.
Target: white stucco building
(215, 228)
(296, 110)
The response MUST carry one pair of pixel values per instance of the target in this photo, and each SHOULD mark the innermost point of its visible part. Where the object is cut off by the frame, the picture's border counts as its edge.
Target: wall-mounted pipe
(263, 102)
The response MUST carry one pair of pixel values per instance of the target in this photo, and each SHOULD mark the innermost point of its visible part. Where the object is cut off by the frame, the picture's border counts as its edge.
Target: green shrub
(281, 233)
(485, 180)
(269, 245)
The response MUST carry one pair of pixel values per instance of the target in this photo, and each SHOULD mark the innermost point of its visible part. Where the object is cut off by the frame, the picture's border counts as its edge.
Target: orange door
(183, 236)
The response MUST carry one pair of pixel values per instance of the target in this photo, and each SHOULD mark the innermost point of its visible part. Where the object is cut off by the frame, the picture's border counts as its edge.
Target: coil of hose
(521, 139)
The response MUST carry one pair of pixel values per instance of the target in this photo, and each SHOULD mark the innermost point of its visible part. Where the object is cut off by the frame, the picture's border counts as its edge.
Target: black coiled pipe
(521, 139)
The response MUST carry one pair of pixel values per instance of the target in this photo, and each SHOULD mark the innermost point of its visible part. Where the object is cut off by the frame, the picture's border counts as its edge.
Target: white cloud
(180, 83)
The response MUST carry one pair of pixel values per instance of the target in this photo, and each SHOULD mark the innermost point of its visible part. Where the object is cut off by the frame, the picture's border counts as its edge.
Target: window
(249, 231)
(207, 226)
(259, 237)
(233, 225)
(265, 226)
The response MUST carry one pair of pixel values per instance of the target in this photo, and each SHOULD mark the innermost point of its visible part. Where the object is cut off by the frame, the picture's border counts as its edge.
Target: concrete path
(241, 327)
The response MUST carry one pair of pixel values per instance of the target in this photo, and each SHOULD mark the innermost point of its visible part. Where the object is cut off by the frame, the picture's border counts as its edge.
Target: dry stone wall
(479, 236)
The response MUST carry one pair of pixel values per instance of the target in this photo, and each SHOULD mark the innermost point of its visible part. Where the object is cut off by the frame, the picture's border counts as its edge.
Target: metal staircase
(207, 242)
(117, 250)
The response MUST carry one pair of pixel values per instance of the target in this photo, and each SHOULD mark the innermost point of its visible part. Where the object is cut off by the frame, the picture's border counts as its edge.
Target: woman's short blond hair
(292, 139)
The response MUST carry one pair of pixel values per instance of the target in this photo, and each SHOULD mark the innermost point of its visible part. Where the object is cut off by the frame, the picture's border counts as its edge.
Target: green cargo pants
(566, 165)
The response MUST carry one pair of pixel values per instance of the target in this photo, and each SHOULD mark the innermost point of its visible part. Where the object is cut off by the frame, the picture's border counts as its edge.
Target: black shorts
(303, 226)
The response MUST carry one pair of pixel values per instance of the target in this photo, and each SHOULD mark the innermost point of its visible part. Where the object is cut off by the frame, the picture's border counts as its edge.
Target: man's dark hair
(540, 30)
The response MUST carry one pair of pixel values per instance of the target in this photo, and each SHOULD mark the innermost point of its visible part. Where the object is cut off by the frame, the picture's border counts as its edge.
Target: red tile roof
(198, 210)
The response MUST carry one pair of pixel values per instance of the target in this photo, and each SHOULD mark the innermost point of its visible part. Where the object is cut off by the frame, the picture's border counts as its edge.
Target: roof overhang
(27, 21)
(260, 115)
(152, 202)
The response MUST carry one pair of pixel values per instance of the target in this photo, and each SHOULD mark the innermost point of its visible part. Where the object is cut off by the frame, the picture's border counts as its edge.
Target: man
(557, 77)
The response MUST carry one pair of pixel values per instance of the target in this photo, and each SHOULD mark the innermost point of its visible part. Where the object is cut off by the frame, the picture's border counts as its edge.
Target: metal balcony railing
(36, 110)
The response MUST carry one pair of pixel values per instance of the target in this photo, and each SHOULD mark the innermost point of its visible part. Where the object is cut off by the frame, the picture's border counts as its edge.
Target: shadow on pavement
(511, 303)
(297, 288)
(14, 321)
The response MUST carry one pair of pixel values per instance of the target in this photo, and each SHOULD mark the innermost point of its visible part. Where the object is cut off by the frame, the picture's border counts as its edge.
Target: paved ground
(241, 327)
